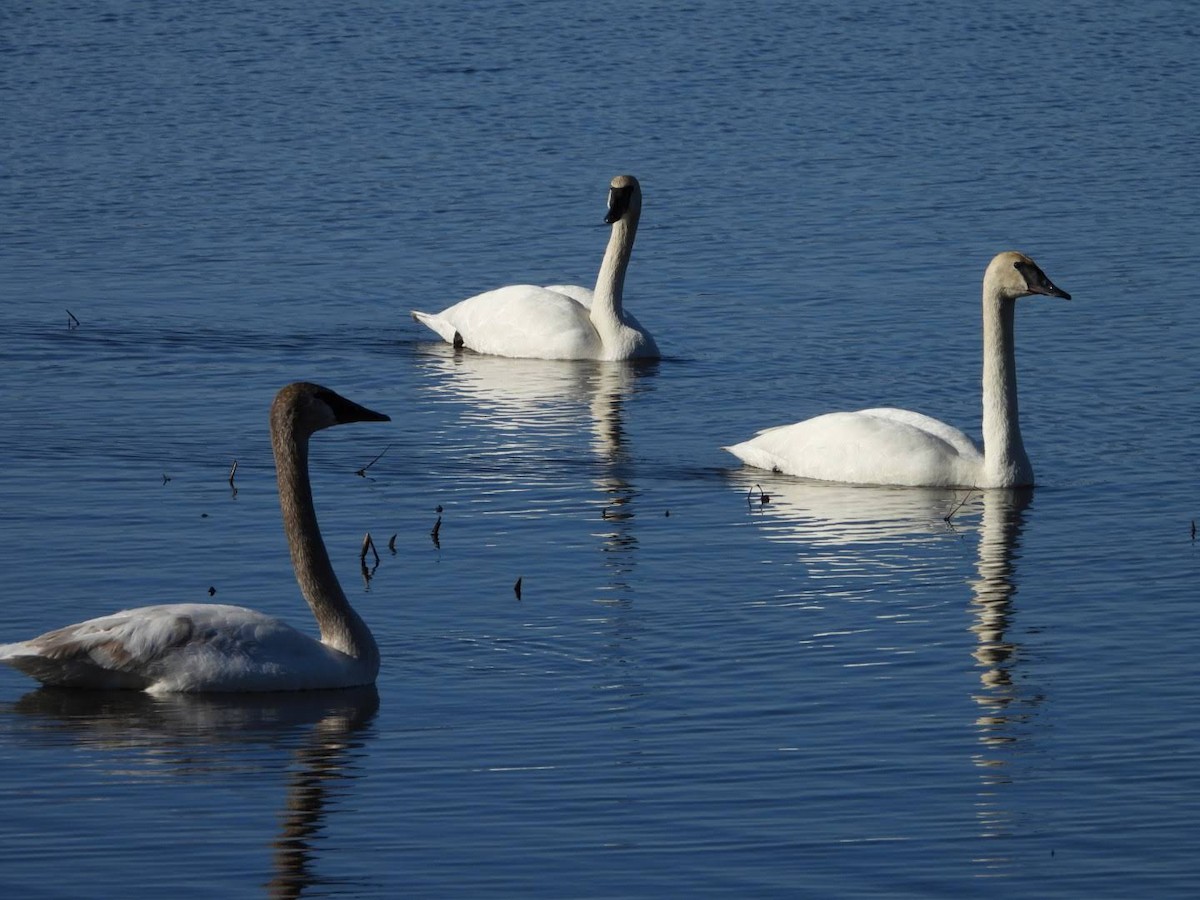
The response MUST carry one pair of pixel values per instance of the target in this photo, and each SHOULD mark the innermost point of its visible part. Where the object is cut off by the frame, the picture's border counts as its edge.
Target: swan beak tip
(1052, 290)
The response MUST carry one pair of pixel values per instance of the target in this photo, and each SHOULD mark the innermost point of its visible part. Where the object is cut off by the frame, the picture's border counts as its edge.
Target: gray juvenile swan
(199, 647)
(896, 446)
(559, 321)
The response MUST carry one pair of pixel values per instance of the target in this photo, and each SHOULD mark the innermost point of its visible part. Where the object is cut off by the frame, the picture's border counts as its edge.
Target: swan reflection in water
(193, 736)
(1007, 706)
(530, 416)
(830, 514)
(849, 530)
(854, 538)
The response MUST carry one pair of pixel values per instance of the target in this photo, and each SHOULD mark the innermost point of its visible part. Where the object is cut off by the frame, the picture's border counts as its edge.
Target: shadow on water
(199, 736)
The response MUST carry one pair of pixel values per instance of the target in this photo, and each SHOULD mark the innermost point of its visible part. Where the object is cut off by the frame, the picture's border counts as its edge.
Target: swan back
(869, 446)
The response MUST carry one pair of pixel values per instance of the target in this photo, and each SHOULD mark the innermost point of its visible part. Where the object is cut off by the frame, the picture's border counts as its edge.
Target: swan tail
(754, 456)
(73, 672)
(10, 652)
(436, 323)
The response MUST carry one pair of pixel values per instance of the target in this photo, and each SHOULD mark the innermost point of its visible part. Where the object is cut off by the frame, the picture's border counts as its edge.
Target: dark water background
(838, 693)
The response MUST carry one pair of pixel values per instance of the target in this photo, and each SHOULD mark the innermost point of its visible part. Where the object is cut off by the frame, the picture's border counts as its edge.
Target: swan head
(1015, 275)
(308, 408)
(624, 199)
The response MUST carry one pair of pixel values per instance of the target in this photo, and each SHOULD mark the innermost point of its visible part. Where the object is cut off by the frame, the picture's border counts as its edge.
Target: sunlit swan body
(895, 446)
(559, 321)
(206, 647)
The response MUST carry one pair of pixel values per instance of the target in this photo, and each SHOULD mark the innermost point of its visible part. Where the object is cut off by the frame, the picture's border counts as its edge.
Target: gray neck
(607, 316)
(341, 627)
(1005, 461)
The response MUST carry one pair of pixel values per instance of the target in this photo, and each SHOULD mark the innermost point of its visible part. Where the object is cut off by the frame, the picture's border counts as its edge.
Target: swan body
(197, 647)
(899, 447)
(559, 321)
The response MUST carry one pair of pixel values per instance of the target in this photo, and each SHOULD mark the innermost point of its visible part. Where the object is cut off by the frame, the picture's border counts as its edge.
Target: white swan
(559, 321)
(195, 647)
(895, 446)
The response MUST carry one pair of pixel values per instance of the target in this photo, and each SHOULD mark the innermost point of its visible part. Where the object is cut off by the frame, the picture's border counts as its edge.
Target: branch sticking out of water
(362, 473)
(72, 322)
(233, 472)
(763, 497)
(950, 515)
(368, 572)
(368, 544)
(517, 588)
(437, 527)
(392, 545)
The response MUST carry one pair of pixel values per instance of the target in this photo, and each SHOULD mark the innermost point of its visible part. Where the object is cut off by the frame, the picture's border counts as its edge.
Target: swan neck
(1005, 460)
(341, 627)
(607, 315)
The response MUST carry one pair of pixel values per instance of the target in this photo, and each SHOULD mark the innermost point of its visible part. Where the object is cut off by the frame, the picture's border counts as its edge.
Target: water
(836, 693)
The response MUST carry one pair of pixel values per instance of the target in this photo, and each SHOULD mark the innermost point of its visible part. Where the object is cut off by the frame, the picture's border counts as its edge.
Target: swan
(559, 321)
(899, 447)
(197, 647)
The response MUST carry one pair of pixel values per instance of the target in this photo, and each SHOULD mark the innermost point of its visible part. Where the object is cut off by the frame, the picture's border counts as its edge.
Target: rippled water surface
(836, 691)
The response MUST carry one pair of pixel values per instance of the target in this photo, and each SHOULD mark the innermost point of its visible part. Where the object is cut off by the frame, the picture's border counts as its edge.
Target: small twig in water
(392, 545)
(72, 322)
(517, 588)
(232, 472)
(1193, 529)
(367, 573)
(166, 477)
(368, 544)
(950, 515)
(362, 473)
(437, 527)
(763, 497)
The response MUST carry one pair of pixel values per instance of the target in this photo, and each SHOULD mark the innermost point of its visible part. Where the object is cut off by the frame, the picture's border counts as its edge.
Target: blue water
(843, 692)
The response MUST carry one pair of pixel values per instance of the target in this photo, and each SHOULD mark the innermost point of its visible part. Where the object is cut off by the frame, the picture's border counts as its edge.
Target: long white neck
(607, 317)
(341, 627)
(1005, 461)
